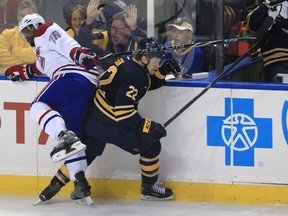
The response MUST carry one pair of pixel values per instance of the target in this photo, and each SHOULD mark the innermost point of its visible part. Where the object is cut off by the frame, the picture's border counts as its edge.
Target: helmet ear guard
(32, 19)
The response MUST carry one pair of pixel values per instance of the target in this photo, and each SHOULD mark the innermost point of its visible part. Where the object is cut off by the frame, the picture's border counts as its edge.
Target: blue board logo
(285, 120)
(239, 131)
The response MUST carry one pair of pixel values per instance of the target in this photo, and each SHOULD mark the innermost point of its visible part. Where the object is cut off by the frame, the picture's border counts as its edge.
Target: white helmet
(31, 19)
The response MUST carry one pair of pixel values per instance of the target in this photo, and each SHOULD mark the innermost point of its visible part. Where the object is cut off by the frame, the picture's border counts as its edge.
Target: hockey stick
(199, 44)
(265, 27)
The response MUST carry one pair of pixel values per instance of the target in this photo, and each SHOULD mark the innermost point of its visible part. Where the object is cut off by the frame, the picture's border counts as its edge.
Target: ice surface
(15, 205)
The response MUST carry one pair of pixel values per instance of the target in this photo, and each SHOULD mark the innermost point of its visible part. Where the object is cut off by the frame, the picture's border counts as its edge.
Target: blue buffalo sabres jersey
(120, 89)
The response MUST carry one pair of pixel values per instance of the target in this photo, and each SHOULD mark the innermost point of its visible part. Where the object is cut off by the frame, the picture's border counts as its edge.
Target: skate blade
(37, 202)
(151, 198)
(62, 155)
(85, 201)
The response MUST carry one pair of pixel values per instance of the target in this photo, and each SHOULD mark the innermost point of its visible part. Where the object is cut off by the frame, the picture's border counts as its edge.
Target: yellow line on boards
(130, 189)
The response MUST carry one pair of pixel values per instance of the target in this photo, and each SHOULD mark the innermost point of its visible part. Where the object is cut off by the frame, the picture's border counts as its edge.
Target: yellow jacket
(70, 32)
(14, 49)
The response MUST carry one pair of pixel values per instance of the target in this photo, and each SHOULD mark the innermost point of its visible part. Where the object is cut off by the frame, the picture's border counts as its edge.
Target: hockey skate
(155, 192)
(81, 189)
(68, 145)
(50, 191)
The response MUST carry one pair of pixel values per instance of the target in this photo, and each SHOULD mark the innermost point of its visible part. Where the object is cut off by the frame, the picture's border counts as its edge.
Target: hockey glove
(19, 72)
(85, 58)
(170, 66)
(155, 130)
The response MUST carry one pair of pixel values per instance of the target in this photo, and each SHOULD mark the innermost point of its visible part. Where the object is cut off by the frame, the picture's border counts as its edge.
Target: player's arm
(58, 40)
(170, 66)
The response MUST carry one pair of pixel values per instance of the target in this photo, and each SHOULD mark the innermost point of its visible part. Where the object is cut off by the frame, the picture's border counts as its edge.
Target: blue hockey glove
(85, 58)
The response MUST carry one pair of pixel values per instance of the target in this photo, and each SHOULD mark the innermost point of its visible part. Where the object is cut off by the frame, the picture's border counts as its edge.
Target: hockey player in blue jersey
(113, 117)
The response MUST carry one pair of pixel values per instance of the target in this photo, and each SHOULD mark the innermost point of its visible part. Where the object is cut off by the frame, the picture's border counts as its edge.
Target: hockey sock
(63, 175)
(149, 169)
(49, 120)
(76, 163)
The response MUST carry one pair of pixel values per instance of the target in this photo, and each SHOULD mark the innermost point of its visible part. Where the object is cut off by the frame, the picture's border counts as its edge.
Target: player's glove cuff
(155, 130)
(84, 57)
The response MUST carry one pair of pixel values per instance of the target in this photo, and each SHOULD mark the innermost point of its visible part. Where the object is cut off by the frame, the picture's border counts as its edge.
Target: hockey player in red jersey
(60, 107)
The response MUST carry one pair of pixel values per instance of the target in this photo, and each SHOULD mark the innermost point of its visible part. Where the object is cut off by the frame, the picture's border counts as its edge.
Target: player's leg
(58, 181)
(52, 122)
(95, 147)
(150, 164)
(72, 107)
(136, 142)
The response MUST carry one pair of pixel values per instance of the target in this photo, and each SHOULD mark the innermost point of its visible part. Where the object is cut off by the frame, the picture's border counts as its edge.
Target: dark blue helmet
(151, 47)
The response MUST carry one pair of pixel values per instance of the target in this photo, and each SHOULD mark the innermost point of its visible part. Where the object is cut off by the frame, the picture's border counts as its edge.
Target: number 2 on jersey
(132, 93)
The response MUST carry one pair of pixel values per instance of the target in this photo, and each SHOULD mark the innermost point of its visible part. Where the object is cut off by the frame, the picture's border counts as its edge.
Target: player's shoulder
(129, 70)
(128, 64)
(43, 28)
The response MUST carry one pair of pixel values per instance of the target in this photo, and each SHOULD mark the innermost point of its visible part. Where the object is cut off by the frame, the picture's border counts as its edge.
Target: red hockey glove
(155, 130)
(85, 58)
(19, 73)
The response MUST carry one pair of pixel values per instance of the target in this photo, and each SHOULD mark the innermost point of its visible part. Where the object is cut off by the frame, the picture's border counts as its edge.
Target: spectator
(8, 14)
(190, 60)
(14, 49)
(109, 9)
(275, 48)
(25, 7)
(77, 19)
(123, 35)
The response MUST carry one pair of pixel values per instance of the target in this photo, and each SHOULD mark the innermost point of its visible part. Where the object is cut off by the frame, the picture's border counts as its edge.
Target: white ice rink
(12, 205)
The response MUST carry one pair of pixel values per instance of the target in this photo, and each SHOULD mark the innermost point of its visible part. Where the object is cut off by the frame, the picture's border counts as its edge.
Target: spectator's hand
(131, 17)
(93, 11)
(155, 130)
(18, 73)
(85, 58)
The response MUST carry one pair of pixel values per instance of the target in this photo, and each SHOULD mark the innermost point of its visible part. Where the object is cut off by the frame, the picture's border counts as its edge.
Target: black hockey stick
(261, 35)
(199, 44)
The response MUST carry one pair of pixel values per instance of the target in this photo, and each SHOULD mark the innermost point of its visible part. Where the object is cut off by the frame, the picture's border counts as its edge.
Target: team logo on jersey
(239, 132)
(40, 59)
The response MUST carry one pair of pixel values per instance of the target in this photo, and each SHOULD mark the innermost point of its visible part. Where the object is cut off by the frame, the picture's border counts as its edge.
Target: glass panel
(210, 19)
